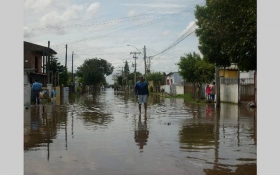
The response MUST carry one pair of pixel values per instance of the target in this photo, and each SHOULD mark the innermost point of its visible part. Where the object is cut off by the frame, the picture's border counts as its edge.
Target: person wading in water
(141, 91)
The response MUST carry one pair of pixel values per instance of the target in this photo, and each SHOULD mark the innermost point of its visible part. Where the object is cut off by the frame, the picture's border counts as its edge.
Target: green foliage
(155, 77)
(126, 69)
(195, 70)
(227, 32)
(130, 77)
(93, 71)
(79, 89)
(54, 66)
(204, 71)
(63, 77)
(120, 80)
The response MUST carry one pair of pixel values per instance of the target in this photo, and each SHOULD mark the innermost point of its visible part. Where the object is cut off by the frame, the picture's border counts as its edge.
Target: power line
(106, 21)
(181, 38)
(120, 31)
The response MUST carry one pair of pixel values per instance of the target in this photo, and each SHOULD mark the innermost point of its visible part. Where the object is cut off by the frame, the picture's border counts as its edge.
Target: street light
(134, 56)
(134, 47)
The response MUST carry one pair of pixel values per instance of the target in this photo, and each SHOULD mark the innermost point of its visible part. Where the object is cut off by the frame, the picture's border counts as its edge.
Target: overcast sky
(103, 29)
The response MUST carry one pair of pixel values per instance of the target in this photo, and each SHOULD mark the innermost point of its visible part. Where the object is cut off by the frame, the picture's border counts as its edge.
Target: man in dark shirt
(36, 88)
(141, 91)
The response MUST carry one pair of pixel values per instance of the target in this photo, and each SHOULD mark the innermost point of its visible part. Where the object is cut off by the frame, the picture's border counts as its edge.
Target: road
(104, 134)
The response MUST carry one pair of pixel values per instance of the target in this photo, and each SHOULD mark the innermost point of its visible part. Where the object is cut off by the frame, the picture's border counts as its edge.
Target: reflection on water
(141, 133)
(103, 133)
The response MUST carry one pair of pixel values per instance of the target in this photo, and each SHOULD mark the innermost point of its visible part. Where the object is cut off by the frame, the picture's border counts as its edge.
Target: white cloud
(54, 18)
(165, 33)
(92, 9)
(131, 13)
(191, 24)
(26, 32)
(37, 5)
(156, 5)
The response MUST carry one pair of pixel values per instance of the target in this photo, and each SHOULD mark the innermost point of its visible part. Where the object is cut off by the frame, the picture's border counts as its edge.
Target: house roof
(170, 73)
(30, 47)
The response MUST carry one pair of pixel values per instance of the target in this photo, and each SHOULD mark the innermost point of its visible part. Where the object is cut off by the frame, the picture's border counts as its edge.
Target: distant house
(174, 78)
(35, 59)
(249, 74)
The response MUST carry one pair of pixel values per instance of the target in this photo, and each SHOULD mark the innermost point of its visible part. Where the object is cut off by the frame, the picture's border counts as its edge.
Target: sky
(104, 29)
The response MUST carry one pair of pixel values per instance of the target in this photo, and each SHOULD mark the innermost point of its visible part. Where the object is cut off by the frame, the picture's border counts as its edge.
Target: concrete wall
(27, 94)
(229, 93)
(173, 89)
(166, 88)
(25, 78)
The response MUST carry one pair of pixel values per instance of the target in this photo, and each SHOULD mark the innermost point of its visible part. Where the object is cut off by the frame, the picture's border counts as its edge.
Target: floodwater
(103, 134)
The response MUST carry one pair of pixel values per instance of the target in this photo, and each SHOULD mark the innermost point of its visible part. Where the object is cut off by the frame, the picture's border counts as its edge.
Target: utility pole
(218, 100)
(149, 64)
(72, 69)
(48, 63)
(43, 61)
(134, 56)
(122, 76)
(125, 74)
(66, 57)
(145, 62)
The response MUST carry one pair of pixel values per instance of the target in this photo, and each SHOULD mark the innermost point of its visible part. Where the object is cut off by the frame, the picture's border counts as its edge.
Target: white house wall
(175, 89)
(25, 78)
(229, 93)
(166, 88)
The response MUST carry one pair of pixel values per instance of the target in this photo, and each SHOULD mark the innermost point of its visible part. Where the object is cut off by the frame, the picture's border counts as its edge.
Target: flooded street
(104, 134)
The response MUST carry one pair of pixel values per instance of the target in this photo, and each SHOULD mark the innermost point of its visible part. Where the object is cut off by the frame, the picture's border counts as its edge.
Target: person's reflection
(208, 111)
(141, 133)
(210, 108)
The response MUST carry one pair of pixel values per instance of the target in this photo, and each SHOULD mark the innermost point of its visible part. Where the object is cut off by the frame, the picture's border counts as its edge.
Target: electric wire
(118, 31)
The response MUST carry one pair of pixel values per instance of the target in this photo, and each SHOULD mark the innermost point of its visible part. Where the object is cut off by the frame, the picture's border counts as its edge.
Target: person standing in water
(141, 92)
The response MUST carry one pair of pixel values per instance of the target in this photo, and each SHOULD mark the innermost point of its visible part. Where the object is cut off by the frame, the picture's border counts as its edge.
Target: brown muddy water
(104, 134)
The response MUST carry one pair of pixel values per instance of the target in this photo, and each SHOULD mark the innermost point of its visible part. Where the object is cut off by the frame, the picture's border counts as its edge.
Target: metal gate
(247, 89)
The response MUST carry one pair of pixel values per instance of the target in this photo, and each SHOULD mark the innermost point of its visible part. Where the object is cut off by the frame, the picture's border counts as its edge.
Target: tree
(55, 68)
(93, 71)
(227, 32)
(196, 70)
(126, 69)
(131, 77)
(155, 76)
(126, 72)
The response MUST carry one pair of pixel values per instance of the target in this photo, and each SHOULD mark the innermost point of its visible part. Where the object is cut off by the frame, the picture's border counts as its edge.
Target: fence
(247, 89)
(230, 88)
(173, 89)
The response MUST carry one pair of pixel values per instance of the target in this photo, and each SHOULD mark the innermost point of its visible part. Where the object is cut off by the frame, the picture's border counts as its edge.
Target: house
(35, 59)
(229, 72)
(174, 84)
(236, 86)
(174, 78)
